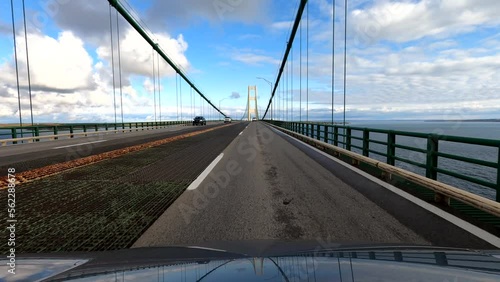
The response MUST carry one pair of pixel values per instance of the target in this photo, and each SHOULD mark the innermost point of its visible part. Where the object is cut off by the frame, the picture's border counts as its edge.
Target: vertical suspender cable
(112, 59)
(280, 102)
(307, 65)
(27, 62)
(283, 100)
(291, 86)
(286, 90)
(180, 94)
(119, 64)
(154, 83)
(159, 82)
(345, 55)
(177, 95)
(333, 59)
(300, 71)
(17, 67)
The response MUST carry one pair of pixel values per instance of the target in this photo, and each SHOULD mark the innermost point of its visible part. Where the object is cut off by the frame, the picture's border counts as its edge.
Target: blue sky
(405, 60)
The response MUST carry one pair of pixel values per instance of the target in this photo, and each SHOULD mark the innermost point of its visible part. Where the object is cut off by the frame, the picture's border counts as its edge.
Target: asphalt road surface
(267, 185)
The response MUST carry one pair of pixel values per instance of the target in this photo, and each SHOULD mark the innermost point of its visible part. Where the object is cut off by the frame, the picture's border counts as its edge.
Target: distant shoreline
(464, 120)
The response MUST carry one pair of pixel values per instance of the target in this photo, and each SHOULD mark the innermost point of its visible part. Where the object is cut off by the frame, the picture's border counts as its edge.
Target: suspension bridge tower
(252, 107)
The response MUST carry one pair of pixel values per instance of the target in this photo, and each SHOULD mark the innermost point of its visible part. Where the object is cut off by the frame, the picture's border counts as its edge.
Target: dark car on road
(199, 121)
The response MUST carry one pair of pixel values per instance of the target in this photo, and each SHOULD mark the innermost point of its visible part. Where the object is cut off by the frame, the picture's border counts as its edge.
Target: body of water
(484, 130)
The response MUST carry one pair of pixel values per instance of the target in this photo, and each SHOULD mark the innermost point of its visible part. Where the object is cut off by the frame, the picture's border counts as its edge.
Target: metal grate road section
(108, 205)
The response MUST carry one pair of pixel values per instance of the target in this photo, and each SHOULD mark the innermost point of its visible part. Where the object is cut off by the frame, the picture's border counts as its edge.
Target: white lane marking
(240, 133)
(205, 173)
(99, 141)
(472, 229)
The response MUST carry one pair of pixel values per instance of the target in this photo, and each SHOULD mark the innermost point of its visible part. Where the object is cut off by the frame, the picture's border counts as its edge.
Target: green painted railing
(427, 155)
(56, 129)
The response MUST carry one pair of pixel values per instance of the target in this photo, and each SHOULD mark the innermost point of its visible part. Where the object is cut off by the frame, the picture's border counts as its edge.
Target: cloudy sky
(427, 59)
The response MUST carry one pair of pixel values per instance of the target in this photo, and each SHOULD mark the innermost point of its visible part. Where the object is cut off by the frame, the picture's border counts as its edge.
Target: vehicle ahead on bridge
(227, 120)
(265, 260)
(199, 121)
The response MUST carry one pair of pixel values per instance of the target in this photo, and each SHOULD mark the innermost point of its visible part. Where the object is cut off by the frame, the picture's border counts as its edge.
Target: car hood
(263, 261)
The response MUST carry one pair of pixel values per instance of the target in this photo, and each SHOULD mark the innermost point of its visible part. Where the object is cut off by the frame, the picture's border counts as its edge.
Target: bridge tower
(250, 99)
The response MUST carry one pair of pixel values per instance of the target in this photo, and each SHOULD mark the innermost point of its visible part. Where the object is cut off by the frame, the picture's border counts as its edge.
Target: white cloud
(254, 59)
(175, 13)
(55, 63)
(68, 86)
(406, 82)
(402, 21)
(137, 54)
(282, 25)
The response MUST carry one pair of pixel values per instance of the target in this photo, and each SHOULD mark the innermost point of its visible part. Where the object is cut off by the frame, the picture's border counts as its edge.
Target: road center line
(205, 173)
(99, 141)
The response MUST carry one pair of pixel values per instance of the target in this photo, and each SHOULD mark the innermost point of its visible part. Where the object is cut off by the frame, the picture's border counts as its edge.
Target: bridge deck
(270, 186)
(265, 186)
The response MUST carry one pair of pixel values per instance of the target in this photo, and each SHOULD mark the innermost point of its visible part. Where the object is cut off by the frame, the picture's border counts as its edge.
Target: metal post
(398, 256)
(37, 133)
(441, 258)
(391, 149)
(432, 158)
(56, 131)
(366, 142)
(326, 134)
(14, 134)
(348, 139)
(318, 134)
(335, 136)
(71, 130)
(96, 127)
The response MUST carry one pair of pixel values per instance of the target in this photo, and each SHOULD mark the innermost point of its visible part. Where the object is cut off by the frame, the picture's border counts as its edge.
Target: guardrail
(388, 142)
(36, 133)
